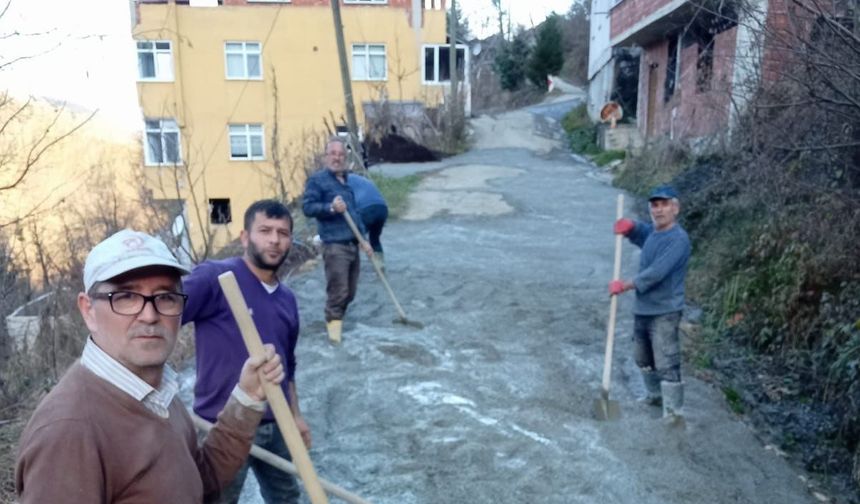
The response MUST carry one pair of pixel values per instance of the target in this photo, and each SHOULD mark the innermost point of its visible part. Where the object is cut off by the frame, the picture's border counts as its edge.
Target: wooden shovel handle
(613, 305)
(376, 267)
(274, 393)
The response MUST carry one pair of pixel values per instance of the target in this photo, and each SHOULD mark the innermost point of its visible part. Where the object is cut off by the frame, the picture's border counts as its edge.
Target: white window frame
(165, 125)
(436, 47)
(245, 132)
(380, 2)
(244, 52)
(163, 69)
(367, 54)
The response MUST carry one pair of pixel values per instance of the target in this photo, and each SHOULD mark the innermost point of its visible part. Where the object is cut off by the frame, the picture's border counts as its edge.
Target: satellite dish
(611, 113)
(476, 48)
(178, 226)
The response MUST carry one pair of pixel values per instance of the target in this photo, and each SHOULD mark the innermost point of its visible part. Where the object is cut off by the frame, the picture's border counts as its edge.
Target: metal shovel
(402, 320)
(605, 408)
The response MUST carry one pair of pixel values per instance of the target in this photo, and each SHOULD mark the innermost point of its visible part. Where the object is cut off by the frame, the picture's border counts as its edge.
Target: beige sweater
(89, 442)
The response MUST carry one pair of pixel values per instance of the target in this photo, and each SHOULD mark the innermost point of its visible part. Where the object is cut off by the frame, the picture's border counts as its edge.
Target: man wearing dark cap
(659, 302)
(113, 429)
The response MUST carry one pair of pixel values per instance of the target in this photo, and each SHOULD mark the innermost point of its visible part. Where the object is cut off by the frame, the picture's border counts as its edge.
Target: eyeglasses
(169, 304)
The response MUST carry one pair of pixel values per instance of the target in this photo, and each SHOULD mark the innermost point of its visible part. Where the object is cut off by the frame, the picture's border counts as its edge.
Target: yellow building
(237, 94)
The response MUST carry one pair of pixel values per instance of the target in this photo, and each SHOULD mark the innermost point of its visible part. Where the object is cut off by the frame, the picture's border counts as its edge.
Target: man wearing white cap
(113, 430)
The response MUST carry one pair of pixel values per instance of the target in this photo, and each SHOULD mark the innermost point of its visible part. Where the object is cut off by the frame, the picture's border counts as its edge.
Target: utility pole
(352, 124)
(453, 110)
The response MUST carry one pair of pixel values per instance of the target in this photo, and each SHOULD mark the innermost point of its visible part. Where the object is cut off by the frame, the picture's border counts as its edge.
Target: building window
(246, 142)
(437, 63)
(154, 60)
(705, 65)
(433, 4)
(162, 142)
(243, 60)
(368, 62)
(219, 211)
(672, 72)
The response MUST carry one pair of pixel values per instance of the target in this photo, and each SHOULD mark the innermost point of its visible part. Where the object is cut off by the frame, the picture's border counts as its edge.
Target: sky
(483, 20)
(80, 51)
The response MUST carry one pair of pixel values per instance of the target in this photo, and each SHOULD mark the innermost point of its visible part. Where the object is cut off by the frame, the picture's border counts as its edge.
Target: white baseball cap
(125, 251)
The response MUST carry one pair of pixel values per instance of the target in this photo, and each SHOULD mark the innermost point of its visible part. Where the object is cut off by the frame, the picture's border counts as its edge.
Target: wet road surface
(505, 257)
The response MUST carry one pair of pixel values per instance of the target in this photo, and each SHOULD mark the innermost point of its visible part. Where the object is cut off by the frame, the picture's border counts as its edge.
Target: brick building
(700, 61)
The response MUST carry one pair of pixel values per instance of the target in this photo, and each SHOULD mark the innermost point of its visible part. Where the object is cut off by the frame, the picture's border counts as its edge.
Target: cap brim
(134, 263)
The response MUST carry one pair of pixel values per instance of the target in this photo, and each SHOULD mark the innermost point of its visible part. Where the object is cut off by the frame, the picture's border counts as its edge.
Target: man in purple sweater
(659, 287)
(266, 239)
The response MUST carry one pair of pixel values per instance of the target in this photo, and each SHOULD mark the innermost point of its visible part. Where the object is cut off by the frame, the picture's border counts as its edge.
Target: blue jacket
(366, 192)
(320, 190)
(662, 269)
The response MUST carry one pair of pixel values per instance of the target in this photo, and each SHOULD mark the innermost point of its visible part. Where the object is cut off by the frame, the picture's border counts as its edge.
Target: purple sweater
(219, 346)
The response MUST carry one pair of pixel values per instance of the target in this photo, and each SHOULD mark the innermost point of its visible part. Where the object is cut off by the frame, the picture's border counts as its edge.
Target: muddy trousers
(342, 265)
(657, 346)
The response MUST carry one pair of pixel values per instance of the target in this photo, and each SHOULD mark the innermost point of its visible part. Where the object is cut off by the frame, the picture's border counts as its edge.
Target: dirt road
(504, 255)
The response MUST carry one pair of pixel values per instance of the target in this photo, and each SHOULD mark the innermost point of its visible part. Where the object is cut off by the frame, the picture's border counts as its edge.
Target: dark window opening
(445, 63)
(705, 65)
(671, 69)
(219, 211)
(429, 62)
(625, 89)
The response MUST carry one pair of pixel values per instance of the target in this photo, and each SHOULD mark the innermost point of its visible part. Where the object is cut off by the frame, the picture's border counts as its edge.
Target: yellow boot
(334, 329)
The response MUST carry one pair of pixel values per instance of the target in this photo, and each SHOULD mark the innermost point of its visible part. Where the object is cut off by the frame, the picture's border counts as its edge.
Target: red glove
(623, 226)
(616, 287)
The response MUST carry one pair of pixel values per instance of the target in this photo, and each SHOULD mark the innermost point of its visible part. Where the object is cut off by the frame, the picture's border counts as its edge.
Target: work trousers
(657, 345)
(342, 265)
(276, 486)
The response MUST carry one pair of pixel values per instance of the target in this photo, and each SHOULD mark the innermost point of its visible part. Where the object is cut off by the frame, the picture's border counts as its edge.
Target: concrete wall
(600, 90)
(599, 47)
(628, 14)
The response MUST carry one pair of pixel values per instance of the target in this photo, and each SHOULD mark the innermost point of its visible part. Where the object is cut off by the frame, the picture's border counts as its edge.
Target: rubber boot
(653, 395)
(334, 328)
(673, 402)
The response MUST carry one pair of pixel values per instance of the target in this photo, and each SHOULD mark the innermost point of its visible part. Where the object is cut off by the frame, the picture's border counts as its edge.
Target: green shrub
(605, 157)
(581, 132)
(396, 191)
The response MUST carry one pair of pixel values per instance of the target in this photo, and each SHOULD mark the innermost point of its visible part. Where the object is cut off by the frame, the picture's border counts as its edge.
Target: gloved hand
(616, 287)
(623, 226)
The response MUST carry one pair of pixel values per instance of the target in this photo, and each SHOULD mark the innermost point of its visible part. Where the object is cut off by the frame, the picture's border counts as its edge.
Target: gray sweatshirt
(662, 268)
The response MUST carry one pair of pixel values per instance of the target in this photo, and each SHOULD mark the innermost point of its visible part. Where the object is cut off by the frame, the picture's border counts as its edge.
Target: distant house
(699, 63)
(236, 93)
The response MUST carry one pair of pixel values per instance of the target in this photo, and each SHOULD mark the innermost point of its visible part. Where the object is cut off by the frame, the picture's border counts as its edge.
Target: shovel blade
(606, 409)
(409, 323)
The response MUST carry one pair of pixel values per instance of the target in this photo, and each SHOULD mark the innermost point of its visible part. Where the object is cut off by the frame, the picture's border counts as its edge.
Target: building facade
(700, 61)
(236, 94)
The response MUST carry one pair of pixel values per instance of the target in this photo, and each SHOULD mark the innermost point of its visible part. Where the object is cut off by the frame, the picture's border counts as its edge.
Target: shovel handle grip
(274, 393)
(613, 304)
(376, 267)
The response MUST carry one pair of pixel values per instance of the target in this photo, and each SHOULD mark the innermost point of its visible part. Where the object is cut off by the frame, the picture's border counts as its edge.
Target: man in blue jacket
(659, 301)
(327, 197)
